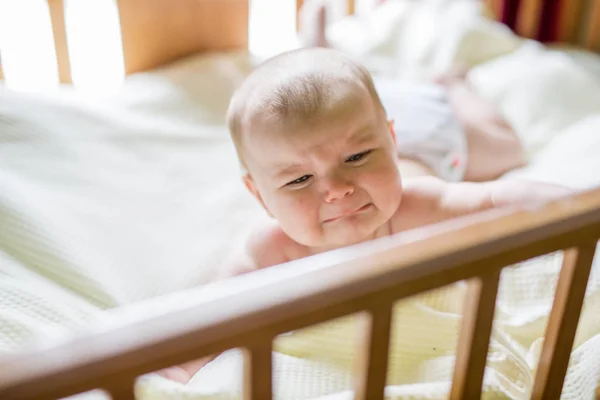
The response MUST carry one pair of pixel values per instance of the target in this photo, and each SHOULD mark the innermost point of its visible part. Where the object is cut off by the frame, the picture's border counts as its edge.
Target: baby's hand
(185, 372)
(457, 73)
(526, 194)
(176, 374)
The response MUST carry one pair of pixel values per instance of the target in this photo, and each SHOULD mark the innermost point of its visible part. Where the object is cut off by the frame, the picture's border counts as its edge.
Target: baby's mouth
(346, 214)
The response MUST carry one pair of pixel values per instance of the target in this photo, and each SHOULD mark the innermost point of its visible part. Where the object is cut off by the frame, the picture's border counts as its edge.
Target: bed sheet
(587, 60)
(127, 198)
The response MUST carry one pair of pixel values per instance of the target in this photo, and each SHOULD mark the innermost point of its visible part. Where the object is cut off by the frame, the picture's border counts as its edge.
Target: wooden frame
(368, 278)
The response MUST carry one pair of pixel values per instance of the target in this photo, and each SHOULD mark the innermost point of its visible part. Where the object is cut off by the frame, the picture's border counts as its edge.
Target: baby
(320, 155)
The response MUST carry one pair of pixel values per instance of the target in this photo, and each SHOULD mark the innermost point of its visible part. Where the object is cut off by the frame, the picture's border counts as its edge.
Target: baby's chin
(344, 232)
(342, 237)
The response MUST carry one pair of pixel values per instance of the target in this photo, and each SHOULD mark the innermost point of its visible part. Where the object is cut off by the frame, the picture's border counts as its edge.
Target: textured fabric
(106, 198)
(425, 125)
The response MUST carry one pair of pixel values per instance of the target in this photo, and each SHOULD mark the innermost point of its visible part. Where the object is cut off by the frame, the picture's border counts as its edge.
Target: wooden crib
(369, 281)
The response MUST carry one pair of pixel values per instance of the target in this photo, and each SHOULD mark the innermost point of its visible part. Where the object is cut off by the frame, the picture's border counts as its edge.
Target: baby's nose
(337, 190)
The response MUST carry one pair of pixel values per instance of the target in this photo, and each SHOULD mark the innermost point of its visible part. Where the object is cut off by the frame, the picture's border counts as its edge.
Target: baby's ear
(251, 186)
(392, 131)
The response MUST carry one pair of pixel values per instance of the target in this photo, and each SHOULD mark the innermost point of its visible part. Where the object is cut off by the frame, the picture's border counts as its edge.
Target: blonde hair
(297, 88)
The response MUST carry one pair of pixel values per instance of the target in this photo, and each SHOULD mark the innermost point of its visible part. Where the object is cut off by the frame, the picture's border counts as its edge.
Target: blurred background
(94, 39)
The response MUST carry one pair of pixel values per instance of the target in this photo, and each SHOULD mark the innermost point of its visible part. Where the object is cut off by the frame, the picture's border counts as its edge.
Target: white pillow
(414, 40)
(540, 91)
(570, 159)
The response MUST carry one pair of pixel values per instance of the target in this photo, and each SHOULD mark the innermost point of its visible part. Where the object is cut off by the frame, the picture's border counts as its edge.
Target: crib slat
(299, 4)
(563, 321)
(123, 391)
(258, 365)
(351, 7)
(495, 7)
(59, 31)
(473, 344)
(529, 17)
(372, 362)
(592, 37)
(568, 23)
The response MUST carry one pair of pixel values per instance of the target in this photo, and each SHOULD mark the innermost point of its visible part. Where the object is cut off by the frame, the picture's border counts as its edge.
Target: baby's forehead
(268, 138)
(307, 104)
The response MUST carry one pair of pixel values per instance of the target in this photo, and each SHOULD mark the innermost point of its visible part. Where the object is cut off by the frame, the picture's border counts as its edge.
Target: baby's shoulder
(425, 200)
(269, 245)
(421, 192)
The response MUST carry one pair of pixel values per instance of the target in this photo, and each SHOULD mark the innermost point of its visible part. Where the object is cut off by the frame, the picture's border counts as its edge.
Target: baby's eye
(358, 157)
(298, 181)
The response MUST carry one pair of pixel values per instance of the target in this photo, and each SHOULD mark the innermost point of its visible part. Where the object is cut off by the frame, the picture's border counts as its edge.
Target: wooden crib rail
(367, 278)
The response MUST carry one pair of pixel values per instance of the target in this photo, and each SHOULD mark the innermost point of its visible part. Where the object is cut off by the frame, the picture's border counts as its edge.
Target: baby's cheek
(299, 209)
(308, 209)
(384, 186)
(300, 219)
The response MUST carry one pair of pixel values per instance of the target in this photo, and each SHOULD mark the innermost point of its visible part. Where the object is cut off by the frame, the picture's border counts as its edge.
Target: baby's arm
(431, 200)
(266, 246)
(525, 193)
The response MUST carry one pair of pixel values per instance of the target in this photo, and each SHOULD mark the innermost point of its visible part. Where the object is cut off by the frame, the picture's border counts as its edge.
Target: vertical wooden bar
(592, 37)
(59, 31)
(372, 362)
(351, 7)
(258, 366)
(498, 7)
(495, 7)
(529, 17)
(568, 23)
(510, 12)
(123, 391)
(563, 321)
(299, 4)
(473, 344)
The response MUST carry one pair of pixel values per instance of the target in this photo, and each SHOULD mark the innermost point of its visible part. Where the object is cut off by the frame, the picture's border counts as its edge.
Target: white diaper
(425, 125)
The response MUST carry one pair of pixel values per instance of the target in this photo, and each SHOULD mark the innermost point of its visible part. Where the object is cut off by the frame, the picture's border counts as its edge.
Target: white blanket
(104, 204)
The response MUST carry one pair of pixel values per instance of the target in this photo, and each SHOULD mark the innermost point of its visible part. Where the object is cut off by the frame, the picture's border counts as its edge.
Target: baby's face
(331, 185)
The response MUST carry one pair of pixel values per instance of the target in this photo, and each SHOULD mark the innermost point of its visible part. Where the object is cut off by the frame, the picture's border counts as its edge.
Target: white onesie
(425, 125)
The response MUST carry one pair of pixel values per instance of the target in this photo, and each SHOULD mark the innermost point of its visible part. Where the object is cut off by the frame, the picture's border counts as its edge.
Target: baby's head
(320, 156)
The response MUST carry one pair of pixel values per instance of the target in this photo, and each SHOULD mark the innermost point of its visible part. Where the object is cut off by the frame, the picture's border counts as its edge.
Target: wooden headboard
(155, 32)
